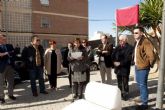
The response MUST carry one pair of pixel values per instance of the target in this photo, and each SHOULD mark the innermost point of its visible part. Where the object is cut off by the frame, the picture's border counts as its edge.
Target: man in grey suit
(104, 52)
(6, 70)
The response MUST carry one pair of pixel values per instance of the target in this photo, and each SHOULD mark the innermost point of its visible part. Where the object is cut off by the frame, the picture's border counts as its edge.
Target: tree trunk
(159, 30)
(158, 40)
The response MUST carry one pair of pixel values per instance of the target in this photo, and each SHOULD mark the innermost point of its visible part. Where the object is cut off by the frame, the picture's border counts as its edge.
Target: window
(45, 23)
(44, 2)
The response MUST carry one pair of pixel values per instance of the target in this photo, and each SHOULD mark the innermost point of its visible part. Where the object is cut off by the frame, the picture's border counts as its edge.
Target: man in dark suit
(122, 56)
(104, 51)
(6, 69)
(35, 62)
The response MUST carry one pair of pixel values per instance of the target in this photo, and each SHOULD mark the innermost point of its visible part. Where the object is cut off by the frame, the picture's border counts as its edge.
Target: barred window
(45, 23)
(44, 2)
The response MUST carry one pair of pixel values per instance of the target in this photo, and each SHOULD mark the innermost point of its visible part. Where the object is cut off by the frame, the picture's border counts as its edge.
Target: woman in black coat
(122, 57)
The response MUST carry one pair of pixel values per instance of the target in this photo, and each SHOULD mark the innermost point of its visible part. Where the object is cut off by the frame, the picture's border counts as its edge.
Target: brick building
(62, 20)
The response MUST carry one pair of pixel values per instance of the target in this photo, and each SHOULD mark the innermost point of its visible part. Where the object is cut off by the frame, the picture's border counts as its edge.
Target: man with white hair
(122, 56)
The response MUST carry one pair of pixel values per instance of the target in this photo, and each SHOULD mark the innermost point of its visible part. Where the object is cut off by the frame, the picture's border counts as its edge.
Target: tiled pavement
(58, 99)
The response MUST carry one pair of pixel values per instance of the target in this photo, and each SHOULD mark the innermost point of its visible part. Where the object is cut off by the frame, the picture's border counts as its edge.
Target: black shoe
(81, 96)
(12, 97)
(53, 87)
(35, 94)
(125, 97)
(75, 96)
(44, 92)
(2, 100)
(142, 107)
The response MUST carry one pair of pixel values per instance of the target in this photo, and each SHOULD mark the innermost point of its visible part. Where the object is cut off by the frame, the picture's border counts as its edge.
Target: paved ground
(57, 100)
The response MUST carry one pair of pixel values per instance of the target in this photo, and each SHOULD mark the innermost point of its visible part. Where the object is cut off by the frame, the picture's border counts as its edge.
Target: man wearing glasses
(35, 62)
(144, 59)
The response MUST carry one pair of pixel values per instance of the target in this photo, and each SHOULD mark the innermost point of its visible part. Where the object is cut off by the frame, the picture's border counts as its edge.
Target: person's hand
(104, 51)
(98, 50)
(6, 53)
(71, 58)
(3, 54)
(116, 63)
(80, 58)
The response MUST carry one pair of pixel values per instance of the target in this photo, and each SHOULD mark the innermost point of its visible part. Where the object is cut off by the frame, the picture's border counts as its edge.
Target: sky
(102, 15)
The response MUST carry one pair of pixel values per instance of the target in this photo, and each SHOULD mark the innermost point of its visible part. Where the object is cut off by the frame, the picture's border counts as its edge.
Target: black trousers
(79, 86)
(53, 80)
(87, 75)
(123, 83)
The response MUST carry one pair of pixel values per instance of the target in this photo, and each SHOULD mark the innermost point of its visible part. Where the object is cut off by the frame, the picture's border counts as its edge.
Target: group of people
(36, 60)
(78, 58)
(121, 57)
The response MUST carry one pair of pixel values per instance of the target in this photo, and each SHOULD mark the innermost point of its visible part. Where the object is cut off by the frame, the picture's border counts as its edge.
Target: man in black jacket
(34, 62)
(104, 51)
(122, 56)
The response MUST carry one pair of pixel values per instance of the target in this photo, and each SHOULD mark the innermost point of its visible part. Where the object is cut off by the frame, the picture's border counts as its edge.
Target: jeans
(142, 78)
(37, 73)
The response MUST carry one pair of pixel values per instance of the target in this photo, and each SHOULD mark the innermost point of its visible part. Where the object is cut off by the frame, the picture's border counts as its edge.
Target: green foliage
(151, 13)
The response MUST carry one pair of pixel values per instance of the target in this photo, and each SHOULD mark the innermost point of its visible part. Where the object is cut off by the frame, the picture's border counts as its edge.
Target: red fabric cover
(127, 16)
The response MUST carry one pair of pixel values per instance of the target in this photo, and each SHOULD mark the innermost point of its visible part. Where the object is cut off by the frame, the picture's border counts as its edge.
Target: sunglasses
(135, 33)
(38, 40)
(53, 42)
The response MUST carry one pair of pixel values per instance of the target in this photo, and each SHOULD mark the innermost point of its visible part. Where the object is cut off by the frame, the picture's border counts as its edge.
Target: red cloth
(127, 16)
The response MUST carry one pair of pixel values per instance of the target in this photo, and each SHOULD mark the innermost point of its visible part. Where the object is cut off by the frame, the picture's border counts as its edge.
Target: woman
(78, 67)
(90, 57)
(53, 60)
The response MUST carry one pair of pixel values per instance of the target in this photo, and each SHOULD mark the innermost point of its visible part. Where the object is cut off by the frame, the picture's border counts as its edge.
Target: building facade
(61, 20)
(16, 21)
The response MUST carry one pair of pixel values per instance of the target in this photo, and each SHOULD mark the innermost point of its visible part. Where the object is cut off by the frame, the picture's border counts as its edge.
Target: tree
(151, 16)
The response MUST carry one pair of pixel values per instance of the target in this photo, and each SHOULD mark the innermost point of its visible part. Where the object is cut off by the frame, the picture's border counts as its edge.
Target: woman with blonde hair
(53, 60)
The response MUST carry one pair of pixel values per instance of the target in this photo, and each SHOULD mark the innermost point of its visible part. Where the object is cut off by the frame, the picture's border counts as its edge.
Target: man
(144, 59)
(34, 62)
(6, 69)
(104, 52)
(122, 57)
